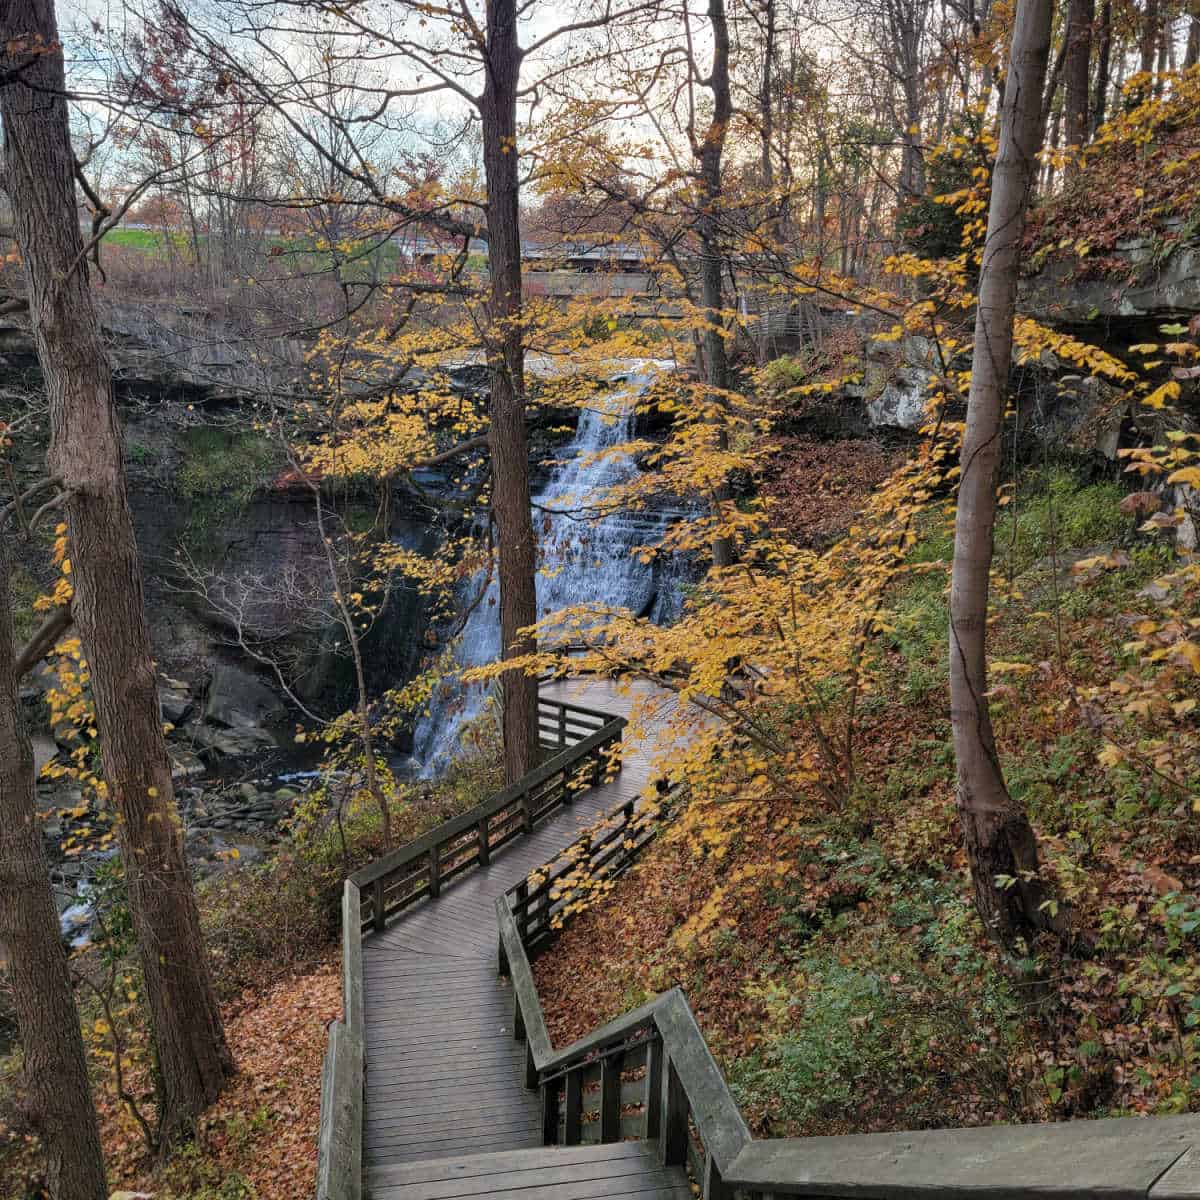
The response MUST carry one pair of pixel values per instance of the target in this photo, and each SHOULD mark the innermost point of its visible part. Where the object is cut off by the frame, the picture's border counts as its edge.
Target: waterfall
(582, 560)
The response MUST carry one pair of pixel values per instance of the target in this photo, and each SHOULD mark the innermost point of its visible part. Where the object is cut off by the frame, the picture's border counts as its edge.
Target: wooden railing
(541, 901)
(650, 1074)
(340, 1136)
(583, 742)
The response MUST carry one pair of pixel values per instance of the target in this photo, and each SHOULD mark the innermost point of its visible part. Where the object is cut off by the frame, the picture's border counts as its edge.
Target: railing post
(485, 852)
(521, 910)
(562, 726)
(672, 1145)
(610, 1098)
(377, 905)
(568, 793)
(435, 872)
(597, 766)
(518, 1019)
(550, 1113)
(573, 1114)
(713, 1187)
(531, 1071)
(526, 813)
(654, 1065)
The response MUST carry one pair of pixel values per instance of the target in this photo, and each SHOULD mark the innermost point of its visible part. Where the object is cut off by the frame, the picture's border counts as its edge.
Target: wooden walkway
(444, 1074)
(618, 1169)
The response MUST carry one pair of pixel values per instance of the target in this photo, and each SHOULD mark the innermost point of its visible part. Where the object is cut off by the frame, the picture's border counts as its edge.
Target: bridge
(441, 1081)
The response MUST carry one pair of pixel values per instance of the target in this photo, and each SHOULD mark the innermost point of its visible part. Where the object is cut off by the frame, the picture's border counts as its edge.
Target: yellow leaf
(1159, 397)
(1189, 475)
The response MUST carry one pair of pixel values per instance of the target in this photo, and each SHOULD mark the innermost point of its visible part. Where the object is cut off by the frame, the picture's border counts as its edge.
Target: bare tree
(471, 57)
(1077, 71)
(193, 1059)
(1000, 841)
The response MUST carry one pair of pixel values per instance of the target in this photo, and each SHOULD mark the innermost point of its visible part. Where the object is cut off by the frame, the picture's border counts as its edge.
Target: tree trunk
(716, 357)
(766, 106)
(506, 352)
(55, 1069)
(905, 21)
(1191, 54)
(999, 839)
(192, 1056)
(1151, 20)
(1103, 56)
(1078, 79)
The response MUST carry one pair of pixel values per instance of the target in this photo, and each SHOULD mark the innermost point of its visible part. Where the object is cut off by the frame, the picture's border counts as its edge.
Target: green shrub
(1055, 512)
(889, 1033)
(783, 374)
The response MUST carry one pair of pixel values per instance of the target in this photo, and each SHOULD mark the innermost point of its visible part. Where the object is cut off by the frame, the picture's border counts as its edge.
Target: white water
(583, 560)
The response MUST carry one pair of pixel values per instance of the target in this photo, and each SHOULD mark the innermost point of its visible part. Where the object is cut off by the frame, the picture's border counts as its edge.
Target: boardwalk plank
(575, 1173)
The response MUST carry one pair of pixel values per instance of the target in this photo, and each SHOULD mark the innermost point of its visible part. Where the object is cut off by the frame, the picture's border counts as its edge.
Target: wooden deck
(619, 1169)
(444, 1075)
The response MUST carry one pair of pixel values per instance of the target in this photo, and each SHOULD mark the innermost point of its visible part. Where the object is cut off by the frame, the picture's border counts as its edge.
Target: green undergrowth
(1053, 513)
(894, 1017)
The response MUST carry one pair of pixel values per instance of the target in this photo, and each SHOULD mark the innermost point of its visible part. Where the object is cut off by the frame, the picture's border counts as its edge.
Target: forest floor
(259, 1140)
(832, 953)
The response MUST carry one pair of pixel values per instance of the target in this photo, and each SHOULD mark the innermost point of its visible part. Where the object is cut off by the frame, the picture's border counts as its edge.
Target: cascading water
(584, 559)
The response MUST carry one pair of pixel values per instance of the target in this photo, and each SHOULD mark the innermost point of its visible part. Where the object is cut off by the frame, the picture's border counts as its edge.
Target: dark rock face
(1155, 287)
(229, 553)
(235, 699)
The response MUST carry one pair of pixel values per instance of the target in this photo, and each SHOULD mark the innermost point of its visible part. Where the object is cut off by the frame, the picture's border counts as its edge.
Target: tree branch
(44, 639)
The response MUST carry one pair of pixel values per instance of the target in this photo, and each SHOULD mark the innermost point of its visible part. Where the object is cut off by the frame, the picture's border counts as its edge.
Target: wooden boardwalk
(444, 1074)
(618, 1169)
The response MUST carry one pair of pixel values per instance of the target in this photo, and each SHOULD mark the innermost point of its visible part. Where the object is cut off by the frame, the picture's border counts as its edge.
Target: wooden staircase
(621, 1169)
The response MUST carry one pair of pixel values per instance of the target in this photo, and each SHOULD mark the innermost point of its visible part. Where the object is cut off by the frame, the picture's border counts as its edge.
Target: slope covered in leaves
(831, 950)
(1137, 180)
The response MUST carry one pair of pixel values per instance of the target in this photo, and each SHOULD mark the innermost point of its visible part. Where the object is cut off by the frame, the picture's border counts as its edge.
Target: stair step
(620, 1169)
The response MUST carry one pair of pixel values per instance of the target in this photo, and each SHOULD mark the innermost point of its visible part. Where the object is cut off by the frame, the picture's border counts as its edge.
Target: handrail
(340, 1135)
(423, 866)
(657, 1078)
(687, 1107)
(541, 901)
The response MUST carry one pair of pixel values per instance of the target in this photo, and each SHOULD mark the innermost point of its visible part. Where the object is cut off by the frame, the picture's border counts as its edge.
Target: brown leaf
(1141, 502)
(1160, 881)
